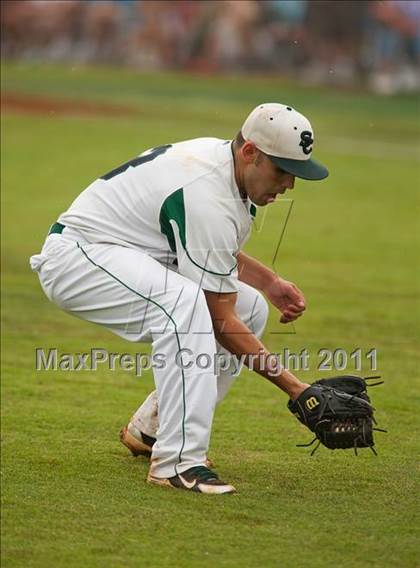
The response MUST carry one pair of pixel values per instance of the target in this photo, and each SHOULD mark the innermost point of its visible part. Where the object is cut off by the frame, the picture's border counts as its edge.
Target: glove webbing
(350, 422)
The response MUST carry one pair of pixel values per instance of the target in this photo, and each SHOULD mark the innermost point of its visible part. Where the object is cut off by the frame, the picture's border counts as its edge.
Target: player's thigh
(126, 291)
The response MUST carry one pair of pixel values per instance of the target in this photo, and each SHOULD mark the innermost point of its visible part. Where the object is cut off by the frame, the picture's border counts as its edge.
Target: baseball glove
(338, 411)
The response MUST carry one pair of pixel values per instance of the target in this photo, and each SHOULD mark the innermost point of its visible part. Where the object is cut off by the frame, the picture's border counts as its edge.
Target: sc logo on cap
(306, 140)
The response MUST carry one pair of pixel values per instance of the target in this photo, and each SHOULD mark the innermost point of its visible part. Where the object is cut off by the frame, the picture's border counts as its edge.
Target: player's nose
(288, 183)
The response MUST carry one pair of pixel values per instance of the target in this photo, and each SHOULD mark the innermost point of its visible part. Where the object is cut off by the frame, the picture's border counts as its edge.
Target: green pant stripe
(176, 335)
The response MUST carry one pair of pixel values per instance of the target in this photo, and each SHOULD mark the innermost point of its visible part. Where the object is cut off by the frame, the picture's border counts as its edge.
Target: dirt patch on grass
(41, 105)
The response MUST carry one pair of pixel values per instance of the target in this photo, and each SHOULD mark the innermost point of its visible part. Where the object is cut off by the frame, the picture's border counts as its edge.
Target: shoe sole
(159, 481)
(136, 447)
(213, 490)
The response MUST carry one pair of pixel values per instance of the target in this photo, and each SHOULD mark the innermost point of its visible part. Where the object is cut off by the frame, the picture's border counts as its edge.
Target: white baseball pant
(139, 299)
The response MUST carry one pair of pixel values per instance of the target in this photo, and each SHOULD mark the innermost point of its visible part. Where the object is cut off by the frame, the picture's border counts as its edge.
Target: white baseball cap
(286, 137)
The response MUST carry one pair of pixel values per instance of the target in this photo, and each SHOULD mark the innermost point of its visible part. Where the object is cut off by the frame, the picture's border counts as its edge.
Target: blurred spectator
(163, 27)
(340, 42)
(102, 25)
(286, 25)
(232, 32)
(393, 55)
(40, 28)
(335, 36)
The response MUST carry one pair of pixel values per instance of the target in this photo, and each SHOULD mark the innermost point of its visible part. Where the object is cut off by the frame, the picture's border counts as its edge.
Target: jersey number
(137, 161)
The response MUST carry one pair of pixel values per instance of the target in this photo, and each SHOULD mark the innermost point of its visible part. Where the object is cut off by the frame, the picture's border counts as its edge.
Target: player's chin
(266, 199)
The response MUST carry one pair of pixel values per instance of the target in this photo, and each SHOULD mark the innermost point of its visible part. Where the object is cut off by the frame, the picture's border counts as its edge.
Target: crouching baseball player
(152, 251)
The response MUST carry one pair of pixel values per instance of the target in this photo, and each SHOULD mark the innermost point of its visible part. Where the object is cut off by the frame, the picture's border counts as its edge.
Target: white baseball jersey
(179, 203)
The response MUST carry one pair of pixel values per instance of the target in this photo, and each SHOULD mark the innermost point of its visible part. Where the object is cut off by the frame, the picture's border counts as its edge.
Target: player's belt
(56, 228)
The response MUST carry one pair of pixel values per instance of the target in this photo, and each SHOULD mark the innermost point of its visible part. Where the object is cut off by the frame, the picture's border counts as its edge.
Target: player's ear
(249, 152)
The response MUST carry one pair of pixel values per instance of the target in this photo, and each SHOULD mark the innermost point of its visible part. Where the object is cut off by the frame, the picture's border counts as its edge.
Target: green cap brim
(305, 169)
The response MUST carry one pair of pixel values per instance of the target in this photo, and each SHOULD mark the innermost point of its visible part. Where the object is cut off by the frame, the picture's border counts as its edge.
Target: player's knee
(191, 294)
(192, 307)
(259, 315)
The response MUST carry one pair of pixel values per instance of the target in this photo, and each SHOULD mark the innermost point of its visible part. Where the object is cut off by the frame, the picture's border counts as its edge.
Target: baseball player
(152, 250)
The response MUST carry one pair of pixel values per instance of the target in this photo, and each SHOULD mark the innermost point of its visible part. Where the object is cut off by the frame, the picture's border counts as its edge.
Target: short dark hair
(239, 140)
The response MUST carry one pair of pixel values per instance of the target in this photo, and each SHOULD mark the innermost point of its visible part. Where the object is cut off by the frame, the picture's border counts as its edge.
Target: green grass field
(72, 496)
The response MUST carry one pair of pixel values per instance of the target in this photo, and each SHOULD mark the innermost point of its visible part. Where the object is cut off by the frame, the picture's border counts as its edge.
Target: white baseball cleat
(137, 442)
(199, 479)
(141, 444)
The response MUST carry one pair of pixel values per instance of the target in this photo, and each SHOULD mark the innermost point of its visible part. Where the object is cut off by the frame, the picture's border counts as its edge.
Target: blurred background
(318, 42)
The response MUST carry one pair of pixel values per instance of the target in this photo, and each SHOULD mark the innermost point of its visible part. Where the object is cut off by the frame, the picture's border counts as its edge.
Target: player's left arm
(284, 295)
(232, 333)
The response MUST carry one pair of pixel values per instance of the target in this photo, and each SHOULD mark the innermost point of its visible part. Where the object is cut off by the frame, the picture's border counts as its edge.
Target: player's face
(263, 181)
